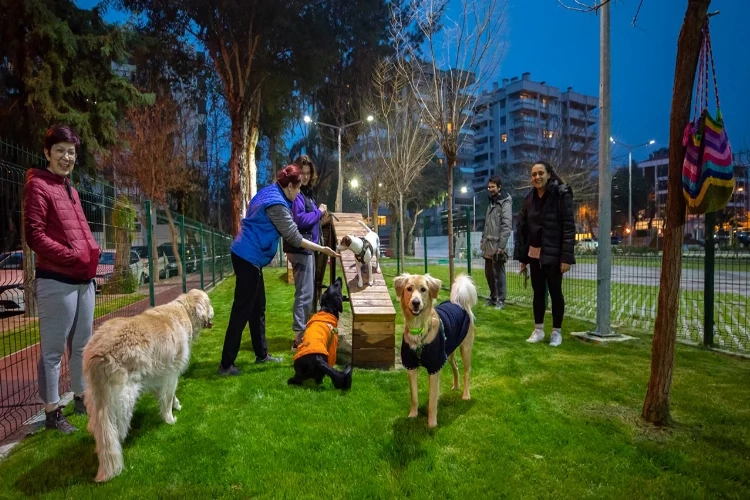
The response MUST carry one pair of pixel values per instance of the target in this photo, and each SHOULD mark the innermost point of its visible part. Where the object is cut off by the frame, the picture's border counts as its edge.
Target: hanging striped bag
(707, 171)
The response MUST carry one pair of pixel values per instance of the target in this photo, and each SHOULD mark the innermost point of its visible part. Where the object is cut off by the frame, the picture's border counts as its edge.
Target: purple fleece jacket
(306, 221)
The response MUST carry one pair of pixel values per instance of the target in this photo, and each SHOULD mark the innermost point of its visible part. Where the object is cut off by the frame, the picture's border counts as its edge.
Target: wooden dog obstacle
(373, 314)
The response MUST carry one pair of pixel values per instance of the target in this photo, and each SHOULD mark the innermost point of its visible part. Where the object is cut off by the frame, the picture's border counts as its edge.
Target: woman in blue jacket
(268, 217)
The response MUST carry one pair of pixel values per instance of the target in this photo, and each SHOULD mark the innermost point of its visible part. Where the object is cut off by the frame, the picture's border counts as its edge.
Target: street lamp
(339, 130)
(630, 181)
(465, 190)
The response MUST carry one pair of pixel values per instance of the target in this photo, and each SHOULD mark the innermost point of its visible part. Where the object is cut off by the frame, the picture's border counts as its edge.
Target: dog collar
(416, 331)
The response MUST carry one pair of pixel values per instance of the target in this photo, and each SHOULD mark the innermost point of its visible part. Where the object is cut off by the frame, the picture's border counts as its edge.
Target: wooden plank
(289, 272)
(373, 328)
(375, 365)
(373, 342)
(367, 302)
(374, 314)
(379, 356)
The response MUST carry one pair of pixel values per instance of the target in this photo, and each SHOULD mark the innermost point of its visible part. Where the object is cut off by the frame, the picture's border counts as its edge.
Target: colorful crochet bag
(707, 171)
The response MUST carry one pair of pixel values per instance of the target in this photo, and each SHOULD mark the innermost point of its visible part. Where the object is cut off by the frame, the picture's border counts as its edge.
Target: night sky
(561, 47)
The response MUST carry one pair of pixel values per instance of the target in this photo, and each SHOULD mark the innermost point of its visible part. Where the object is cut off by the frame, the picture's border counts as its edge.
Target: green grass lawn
(22, 333)
(543, 423)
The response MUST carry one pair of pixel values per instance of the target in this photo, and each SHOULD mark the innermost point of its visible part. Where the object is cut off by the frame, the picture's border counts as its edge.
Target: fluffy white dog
(126, 356)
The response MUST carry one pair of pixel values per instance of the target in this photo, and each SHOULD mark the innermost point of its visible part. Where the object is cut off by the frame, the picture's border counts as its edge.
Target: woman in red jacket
(66, 260)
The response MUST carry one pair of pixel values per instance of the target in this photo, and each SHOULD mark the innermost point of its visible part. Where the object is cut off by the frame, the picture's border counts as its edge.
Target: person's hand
(564, 267)
(323, 209)
(523, 267)
(330, 252)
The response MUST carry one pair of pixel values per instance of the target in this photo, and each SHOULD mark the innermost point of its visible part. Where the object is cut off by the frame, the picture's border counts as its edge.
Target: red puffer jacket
(56, 227)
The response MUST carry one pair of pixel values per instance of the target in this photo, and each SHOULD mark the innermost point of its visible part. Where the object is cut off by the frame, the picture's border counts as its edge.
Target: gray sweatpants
(66, 316)
(303, 268)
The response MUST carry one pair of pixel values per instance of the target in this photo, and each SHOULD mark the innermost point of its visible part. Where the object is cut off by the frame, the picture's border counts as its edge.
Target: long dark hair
(551, 171)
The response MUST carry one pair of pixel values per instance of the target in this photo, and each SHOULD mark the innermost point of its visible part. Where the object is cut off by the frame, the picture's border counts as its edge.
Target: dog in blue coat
(433, 333)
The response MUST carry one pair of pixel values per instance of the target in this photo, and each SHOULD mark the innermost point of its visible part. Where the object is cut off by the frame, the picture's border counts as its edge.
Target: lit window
(381, 220)
(504, 137)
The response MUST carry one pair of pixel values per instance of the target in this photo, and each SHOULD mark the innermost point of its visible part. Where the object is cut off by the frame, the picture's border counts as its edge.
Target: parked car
(743, 238)
(616, 240)
(190, 257)
(587, 245)
(160, 265)
(722, 238)
(11, 282)
(107, 266)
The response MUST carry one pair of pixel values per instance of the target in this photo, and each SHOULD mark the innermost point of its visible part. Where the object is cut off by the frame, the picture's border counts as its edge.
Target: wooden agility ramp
(373, 314)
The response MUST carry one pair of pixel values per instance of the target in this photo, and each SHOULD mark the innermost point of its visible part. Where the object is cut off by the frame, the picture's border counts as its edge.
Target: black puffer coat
(558, 227)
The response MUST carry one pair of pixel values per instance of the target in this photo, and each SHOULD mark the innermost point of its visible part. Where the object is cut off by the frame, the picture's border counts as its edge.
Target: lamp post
(339, 130)
(465, 190)
(630, 182)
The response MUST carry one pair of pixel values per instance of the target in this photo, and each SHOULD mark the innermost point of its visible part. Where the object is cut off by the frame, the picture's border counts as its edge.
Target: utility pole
(604, 249)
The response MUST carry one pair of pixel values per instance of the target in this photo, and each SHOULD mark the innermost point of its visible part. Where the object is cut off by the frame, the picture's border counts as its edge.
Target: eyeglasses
(62, 153)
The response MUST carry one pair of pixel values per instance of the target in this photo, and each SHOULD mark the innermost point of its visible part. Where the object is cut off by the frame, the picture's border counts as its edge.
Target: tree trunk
(375, 203)
(29, 281)
(272, 156)
(252, 144)
(403, 226)
(155, 252)
(656, 405)
(451, 159)
(175, 247)
(410, 235)
(239, 194)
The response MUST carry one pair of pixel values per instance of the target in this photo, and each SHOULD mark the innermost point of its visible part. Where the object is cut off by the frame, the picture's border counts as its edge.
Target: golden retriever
(433, 333)
(128, 355)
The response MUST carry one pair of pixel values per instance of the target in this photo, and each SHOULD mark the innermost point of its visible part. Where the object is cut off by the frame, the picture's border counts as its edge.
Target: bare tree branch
(582, 7)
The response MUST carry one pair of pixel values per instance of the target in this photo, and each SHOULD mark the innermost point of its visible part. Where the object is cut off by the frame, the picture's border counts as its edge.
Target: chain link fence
(712, 284)
(142, 264)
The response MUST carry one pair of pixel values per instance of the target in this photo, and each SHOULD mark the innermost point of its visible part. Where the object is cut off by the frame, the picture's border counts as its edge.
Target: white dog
(365, 249)
(128, 355)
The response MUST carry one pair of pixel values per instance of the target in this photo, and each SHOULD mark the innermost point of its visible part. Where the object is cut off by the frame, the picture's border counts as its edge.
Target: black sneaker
(491, 303)
(79, 408)
(231, 371)
(55, 420)
(268, 359)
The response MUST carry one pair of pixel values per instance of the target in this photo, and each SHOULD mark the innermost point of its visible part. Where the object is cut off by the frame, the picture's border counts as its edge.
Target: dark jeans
(545, 278)
(249, 306)
(494, 271)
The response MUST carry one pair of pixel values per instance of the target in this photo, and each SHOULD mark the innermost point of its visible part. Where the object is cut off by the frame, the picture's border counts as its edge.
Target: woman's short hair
(60, 133)
(291, 174)
(305, 161)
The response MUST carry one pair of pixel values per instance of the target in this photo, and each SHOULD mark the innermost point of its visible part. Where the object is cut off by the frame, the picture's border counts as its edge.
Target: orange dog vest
(321, 337)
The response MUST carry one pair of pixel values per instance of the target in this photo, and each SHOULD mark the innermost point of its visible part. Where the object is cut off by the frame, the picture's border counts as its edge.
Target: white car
(11, 282)
(107, 266)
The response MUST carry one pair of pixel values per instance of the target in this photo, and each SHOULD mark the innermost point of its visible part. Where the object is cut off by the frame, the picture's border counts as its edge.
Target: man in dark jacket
(497, 226)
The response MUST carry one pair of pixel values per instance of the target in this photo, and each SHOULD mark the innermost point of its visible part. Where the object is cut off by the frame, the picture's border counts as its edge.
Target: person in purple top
(307, 215)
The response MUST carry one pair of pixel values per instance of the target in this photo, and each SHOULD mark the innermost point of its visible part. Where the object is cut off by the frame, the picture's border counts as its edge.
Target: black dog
(316, 354)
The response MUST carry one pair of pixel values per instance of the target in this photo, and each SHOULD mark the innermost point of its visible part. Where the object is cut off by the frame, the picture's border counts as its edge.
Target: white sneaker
(556, 339)
(536, 336)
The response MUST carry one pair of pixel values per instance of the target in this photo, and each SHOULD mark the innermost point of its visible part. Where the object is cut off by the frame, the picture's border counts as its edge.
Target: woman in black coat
(545, 241)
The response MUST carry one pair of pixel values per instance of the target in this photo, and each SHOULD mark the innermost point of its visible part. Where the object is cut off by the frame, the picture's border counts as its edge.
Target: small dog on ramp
(316, 355)
(365, 250)
(126, 356)
(432, 334)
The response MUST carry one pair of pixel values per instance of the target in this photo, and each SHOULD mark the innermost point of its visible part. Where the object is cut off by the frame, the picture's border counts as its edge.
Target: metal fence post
(424, 242)
(708, 282)
(182, 253)
(468, 239)
(213, 259)
(202, 242)
(398, 247)
(150, 245)
(221, 261)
